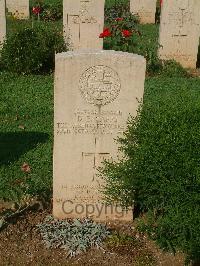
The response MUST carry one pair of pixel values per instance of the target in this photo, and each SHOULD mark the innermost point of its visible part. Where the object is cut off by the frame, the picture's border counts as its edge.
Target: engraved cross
(103, 85)
(97, 158)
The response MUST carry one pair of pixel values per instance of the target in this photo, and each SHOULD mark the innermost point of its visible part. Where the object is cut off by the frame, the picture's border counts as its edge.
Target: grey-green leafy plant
(74, 236)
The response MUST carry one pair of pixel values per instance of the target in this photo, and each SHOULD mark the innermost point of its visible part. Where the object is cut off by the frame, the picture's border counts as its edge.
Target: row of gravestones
(95, 91)
(83, 21)
(145, 9)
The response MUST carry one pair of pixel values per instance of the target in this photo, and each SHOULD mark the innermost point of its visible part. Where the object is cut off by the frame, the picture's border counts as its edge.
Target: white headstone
(95, 91)
(144, 9)
(83, 21)
(18, 8)
(179, 31)
(2, 21)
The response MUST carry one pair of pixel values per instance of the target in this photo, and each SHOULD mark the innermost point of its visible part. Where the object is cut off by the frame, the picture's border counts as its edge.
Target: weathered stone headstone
(144, 9)
(83, 21)
(179, 31)
(95, 91)
(2, 22)
(18, 8)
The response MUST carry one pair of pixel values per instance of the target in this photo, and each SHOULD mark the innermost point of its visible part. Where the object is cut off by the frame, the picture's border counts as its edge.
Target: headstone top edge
(83, 52)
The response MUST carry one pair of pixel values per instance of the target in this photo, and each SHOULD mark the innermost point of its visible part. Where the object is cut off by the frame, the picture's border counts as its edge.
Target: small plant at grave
(74, 236)
(120, 35)
(32, 50)
(117, 239)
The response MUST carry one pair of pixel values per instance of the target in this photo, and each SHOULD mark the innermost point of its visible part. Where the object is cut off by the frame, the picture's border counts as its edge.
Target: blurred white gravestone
(179, 31)
(95, 92)
(144, 9)
(2, 22)
(18, 8)
(83, 21)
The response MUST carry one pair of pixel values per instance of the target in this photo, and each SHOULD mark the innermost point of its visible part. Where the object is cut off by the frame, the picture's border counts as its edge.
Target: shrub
(116, 8)
(32, 50)
(120, 33)
(160, 172)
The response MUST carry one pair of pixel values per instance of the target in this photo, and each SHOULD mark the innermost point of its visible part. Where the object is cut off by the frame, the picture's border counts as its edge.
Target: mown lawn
(26, 114)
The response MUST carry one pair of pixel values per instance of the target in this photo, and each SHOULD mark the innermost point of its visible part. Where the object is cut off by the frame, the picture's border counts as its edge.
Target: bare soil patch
(21, 244)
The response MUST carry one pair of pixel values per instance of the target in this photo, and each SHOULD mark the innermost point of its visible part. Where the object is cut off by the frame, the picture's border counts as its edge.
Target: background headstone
(95, 91)
(83, 21)
(144, 9)
(179, 31)
(2, 21)
(18, 8)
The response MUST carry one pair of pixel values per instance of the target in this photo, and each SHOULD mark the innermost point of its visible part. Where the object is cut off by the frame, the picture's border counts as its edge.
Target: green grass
(14, 25)
(25, 102)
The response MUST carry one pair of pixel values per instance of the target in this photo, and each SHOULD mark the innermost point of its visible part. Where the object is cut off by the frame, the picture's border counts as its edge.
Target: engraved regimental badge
(100, 85)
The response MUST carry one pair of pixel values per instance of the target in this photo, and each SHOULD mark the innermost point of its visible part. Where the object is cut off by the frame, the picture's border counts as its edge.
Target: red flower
(36, 10)
(126, 33)
(106, 33)
(161, 1)
(119, 19)
(25, 168)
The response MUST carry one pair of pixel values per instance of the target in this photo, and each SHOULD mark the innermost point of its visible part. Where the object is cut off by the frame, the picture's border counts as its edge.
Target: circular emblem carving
(100, 85)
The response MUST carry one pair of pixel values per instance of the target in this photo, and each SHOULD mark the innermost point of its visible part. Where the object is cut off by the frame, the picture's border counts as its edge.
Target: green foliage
(122, 32)
(32, 50)
(171, 68)
(117, 9)
(116, 3)
(51, 10)
(146, 44)
(75, 236)
(160, 172)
